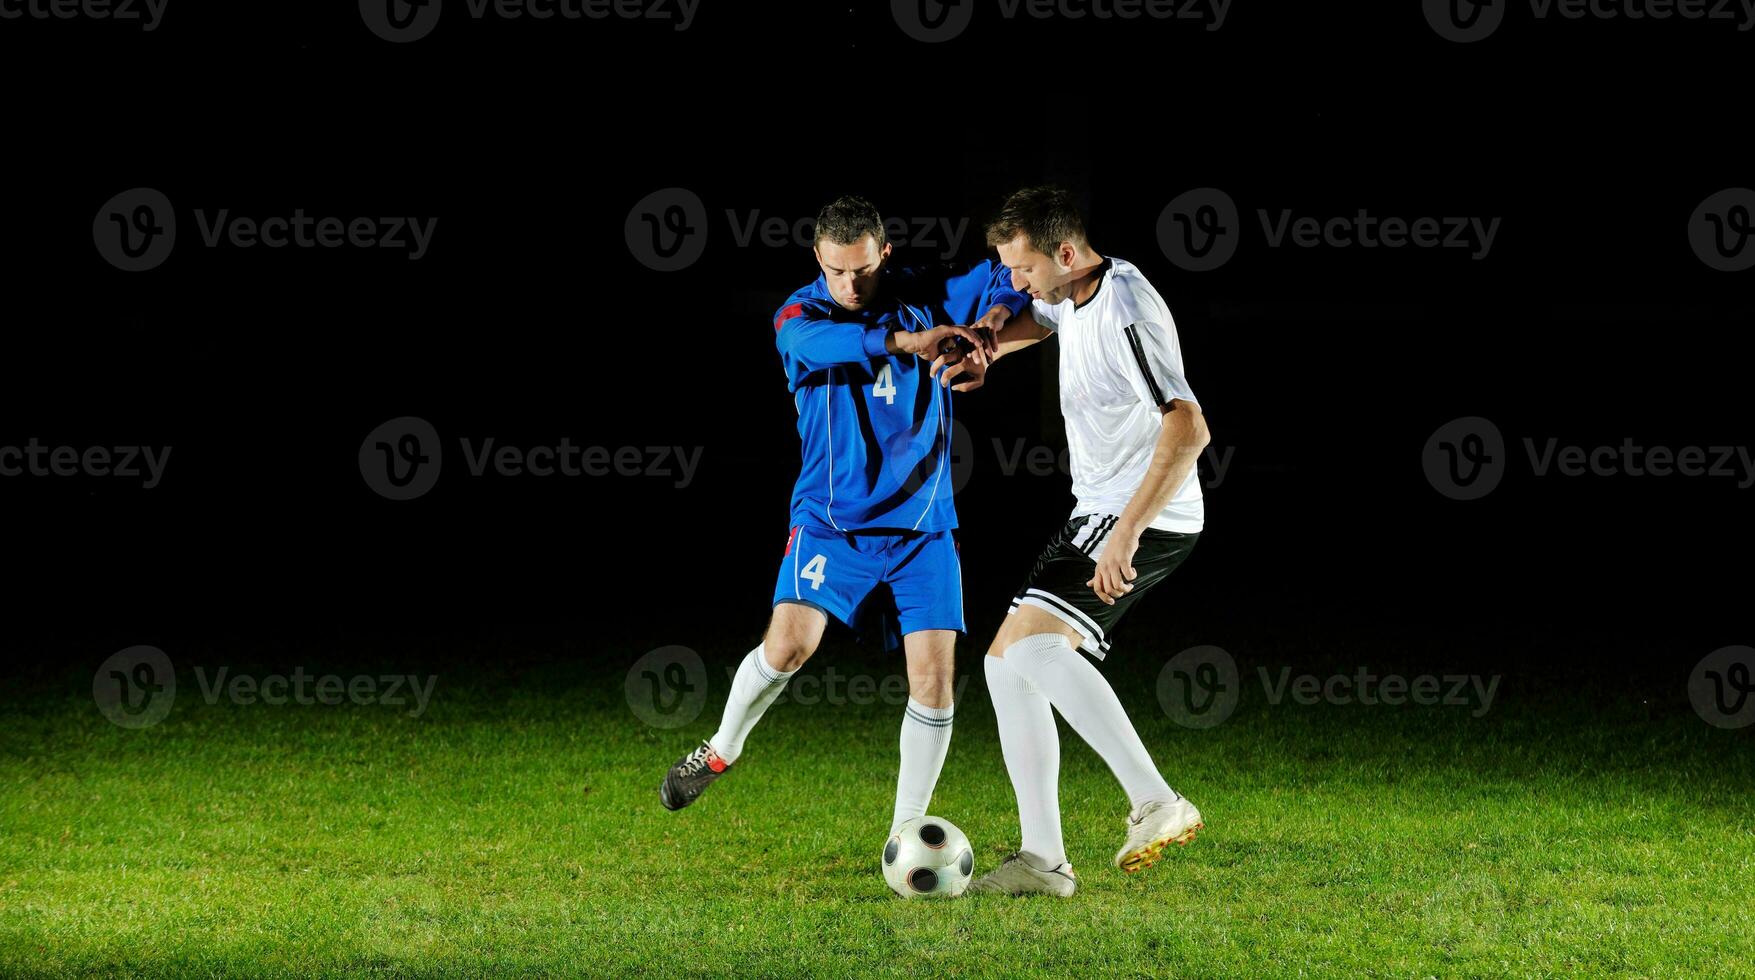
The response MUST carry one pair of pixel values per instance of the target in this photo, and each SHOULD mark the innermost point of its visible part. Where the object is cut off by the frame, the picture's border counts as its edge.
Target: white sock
(1087, 702)
(752, 690)
(1031, 745)
(926, 736)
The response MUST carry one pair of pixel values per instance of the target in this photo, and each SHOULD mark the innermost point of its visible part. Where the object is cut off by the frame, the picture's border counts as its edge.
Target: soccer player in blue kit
(871, 362)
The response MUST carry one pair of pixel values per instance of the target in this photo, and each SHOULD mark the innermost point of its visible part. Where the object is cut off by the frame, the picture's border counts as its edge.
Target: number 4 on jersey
(885, 387)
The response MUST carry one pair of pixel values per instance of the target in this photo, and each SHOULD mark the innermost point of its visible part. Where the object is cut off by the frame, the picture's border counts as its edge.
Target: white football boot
(1015, 876)
(1154, 826)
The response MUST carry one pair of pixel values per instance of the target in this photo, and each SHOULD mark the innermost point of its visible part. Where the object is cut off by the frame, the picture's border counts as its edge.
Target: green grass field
(514, 829)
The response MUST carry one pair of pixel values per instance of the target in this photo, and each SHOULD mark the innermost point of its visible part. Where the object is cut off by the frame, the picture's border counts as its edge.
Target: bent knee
(792, 637)
(787, 654)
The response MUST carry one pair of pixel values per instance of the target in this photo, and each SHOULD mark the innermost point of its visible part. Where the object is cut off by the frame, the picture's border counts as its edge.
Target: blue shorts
(913, 578)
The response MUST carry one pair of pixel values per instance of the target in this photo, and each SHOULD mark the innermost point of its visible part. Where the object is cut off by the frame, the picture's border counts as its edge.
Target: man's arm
(1181, 438)
(809, 342)
(1003, 333)
(983, 294)
(1018, 333)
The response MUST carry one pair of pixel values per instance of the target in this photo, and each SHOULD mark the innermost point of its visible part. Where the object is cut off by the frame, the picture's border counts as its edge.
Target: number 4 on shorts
(813, 570)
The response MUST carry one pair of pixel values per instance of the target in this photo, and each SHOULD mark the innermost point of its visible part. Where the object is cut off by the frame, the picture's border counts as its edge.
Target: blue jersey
(875, 427)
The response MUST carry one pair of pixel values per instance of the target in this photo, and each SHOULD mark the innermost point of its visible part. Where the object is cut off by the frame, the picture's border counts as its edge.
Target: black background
(1323, 370)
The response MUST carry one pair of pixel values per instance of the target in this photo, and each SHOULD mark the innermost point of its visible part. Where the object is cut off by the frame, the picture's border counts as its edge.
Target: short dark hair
(847, 219)
(1046, 215)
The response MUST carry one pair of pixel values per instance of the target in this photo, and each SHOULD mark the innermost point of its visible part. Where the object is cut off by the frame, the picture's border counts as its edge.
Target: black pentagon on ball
(966, 861)
(932, 835)
(890, 850)
(923, 879)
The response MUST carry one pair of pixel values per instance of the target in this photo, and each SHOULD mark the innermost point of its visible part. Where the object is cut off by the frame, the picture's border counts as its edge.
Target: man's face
(852, 270)
(1045, 277)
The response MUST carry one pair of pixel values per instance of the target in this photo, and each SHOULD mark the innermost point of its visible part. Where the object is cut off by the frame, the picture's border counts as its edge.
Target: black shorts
(1057, 584)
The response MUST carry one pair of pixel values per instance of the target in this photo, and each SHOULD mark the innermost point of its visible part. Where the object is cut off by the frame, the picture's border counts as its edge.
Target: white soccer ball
(928, 857)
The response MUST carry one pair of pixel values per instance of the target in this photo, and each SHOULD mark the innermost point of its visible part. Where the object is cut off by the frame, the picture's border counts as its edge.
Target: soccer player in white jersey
(1135, 433)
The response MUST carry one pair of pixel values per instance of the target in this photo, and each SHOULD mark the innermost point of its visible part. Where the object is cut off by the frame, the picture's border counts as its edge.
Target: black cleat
(690, 777)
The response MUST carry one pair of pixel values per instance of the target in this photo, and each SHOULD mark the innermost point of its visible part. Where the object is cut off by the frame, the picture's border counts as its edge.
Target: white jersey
(1119, 361)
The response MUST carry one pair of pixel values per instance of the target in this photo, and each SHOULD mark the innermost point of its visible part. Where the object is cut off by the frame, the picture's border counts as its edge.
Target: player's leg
(793, 634)
(1048, 658)
(926, 720)
(1030, 744)
(821, 575)
(1028, 738)
(1043, 651)
(924, 573)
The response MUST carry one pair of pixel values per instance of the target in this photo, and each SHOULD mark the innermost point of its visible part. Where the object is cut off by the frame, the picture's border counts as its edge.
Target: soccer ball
(928, 857)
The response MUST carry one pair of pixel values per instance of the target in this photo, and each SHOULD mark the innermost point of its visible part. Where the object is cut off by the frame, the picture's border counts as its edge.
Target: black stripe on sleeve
(1139, 355)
